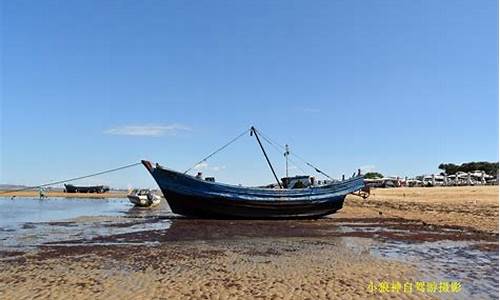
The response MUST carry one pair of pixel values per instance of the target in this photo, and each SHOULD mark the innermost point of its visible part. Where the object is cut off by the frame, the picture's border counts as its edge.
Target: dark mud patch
(149, 220)
(77, 252)
(64, 224)
(264, 253)
(365, 220)
(132, 257)
(13, 257)
(487, 247)
(123, 252)
(400, 229)
(5, 254)
(28, 226)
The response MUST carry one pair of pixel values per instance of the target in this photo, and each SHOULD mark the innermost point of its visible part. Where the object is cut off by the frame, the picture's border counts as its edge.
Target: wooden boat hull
(227, 209)
(189, 196)
(99, 189)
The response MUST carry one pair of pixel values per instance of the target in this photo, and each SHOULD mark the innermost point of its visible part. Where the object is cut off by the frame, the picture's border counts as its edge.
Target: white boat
(143, 198)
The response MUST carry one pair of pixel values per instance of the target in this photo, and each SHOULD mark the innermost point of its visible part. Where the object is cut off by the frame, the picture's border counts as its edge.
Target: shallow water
(28, 223)
(20, 210)
(440, 261)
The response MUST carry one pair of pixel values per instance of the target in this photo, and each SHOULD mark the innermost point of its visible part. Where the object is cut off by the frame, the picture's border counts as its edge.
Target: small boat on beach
(143, 198)
(197, 197)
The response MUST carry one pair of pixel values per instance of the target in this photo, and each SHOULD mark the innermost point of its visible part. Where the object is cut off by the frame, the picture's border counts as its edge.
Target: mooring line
(218, 150)
(72, 179)
(280, 151)
(269, 140)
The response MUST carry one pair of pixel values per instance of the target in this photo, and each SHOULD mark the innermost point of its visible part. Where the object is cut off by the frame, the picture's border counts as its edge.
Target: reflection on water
(28, 222)
(19, 210)
(440, 261)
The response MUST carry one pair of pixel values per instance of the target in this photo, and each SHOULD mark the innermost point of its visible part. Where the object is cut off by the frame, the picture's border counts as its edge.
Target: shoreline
(409, 193)
(60, 194)
(473, 207)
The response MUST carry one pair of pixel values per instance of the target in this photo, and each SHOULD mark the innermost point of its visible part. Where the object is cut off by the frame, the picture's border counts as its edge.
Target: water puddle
(440, 261)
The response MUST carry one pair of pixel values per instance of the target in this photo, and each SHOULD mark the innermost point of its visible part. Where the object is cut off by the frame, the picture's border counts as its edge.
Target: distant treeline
(373, 175)
(491, 168)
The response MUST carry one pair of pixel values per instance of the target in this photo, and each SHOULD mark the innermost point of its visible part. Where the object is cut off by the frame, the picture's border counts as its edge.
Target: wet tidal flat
(100, 249)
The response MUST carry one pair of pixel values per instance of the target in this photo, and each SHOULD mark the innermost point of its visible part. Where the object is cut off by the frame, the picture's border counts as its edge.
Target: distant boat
(143, 198)
(69, 188)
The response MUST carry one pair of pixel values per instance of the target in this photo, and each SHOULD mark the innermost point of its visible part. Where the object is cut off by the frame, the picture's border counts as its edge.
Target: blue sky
(394, 86)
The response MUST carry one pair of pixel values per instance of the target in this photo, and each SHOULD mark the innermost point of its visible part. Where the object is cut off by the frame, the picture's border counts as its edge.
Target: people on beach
(42, 193)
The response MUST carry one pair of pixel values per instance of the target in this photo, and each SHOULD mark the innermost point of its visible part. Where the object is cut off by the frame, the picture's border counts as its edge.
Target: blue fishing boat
(197, 197)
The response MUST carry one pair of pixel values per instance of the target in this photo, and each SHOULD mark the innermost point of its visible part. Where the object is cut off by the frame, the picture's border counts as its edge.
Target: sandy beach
(474, 207)
(262, 268)
(396, 237)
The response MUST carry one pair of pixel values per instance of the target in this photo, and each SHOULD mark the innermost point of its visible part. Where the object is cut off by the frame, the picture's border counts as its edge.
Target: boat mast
(253, 131)
(287, 152)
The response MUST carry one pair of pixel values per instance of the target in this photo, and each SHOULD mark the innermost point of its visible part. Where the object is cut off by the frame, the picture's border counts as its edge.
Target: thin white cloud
(204, 166)
(148, 130)
(201, 166)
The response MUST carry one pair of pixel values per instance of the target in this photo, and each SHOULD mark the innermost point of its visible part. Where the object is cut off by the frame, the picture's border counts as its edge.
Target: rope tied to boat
(267, 139)
(279, 150)
(218, 150)
(73, 179)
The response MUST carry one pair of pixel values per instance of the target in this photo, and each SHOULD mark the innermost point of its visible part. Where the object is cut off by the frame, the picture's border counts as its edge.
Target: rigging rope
(218, 150)
(292, 153)
(73, 179)
(275, 145)
(279, 150)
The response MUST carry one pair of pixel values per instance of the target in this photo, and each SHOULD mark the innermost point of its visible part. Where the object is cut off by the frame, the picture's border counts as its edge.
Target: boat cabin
(297, 182)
